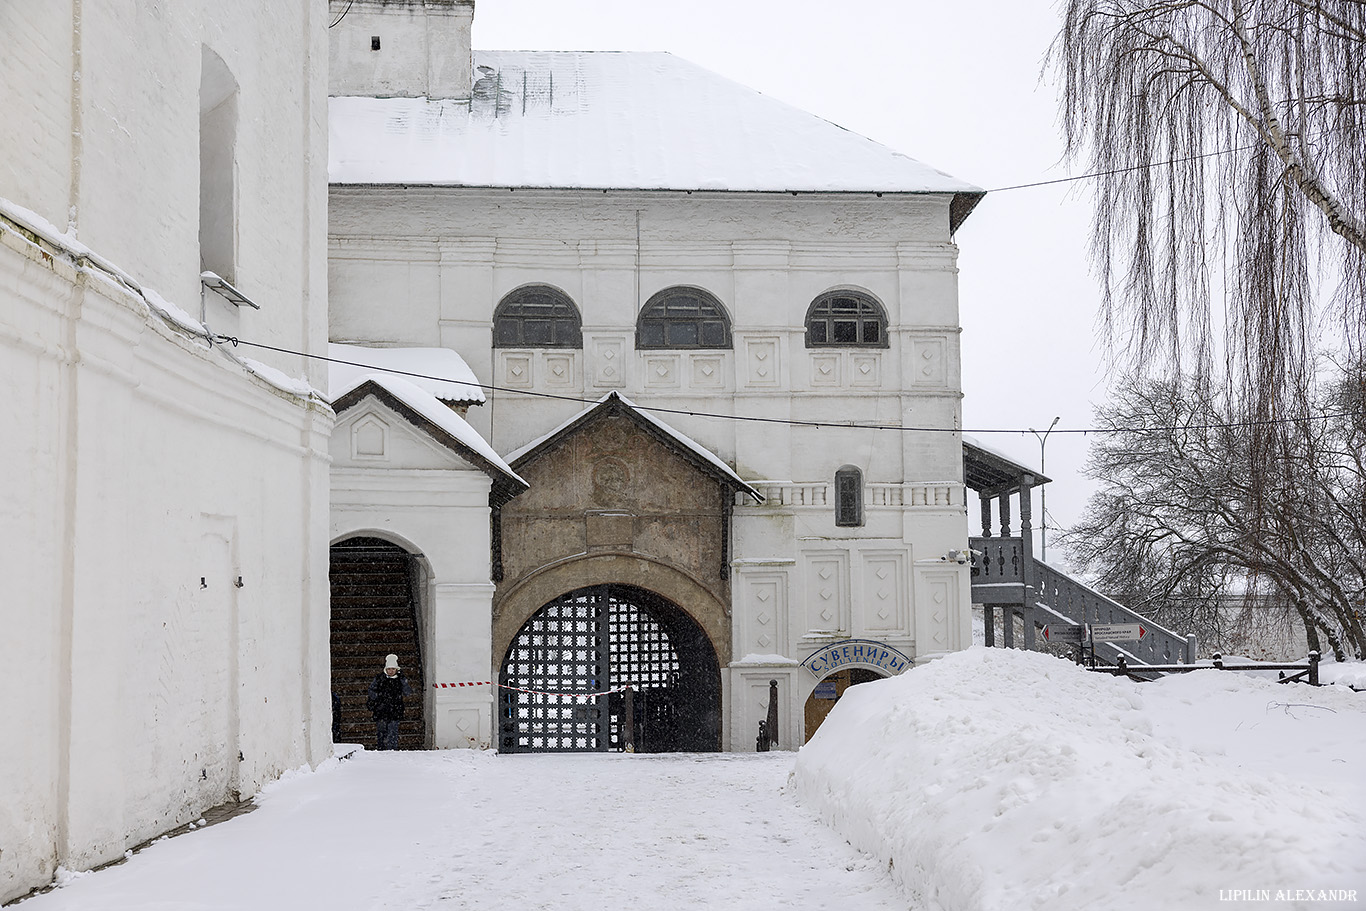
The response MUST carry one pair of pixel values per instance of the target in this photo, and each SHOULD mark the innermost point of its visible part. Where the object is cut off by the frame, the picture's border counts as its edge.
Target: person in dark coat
(385, 702)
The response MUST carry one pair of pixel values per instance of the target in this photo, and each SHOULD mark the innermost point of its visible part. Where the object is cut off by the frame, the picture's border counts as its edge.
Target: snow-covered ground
(996, 779)
(990, 780)
(469, 830)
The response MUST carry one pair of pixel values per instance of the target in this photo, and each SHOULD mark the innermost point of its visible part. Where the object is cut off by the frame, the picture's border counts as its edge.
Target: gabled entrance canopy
(448, 429)
(614, 404)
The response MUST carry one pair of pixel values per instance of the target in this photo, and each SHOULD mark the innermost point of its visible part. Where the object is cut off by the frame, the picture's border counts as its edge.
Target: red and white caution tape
(615, 689)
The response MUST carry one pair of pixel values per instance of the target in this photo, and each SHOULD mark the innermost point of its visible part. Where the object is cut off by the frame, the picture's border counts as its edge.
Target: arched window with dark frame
(537, 316)
(683, 317)
(846, 319)
(849, 496)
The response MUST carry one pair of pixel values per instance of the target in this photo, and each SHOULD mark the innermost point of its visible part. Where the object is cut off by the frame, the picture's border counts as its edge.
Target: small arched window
(849, 319)
(848, 497)
(537, 316)
(683, 317)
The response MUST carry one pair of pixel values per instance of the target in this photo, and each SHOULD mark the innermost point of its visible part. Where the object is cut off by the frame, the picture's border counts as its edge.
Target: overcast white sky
(956, 85)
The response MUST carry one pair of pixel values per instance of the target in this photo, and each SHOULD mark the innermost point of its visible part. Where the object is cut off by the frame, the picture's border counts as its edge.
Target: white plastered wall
(446, 257)
(141, 461)
(423, 497)
(423, 52)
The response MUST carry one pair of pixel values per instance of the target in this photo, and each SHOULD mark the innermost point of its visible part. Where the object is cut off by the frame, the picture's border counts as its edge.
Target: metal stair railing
(1081, 604)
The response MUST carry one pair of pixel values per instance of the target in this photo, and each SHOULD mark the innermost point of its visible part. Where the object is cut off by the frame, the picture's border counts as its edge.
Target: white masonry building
(163, 516)
(683, 297)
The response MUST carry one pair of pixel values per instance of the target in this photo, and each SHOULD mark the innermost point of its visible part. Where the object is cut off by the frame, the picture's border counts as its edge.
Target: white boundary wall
(139, 461)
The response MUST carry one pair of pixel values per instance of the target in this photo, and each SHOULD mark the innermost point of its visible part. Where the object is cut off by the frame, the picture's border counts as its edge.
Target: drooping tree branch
(1228, 136)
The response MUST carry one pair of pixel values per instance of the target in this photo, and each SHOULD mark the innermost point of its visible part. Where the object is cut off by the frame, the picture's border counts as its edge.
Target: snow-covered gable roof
(457, 383)
(614, 120)
(425, 411)
(616, 403)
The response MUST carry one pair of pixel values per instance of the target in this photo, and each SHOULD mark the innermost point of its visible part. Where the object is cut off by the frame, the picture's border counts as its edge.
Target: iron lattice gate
(588, 641)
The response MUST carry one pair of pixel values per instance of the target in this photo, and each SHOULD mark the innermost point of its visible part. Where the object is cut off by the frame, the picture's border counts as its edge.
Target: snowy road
(463, 830)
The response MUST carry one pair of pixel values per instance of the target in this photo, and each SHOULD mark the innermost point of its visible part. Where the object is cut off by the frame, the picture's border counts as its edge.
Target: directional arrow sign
(1063, 633)
(1117, 632)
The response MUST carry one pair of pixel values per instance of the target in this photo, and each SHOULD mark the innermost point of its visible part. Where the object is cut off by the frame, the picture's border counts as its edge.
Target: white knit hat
(391, 661)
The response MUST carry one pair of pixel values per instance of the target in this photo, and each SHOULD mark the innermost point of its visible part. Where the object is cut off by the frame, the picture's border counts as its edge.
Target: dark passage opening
(374, 613)
(559, 670)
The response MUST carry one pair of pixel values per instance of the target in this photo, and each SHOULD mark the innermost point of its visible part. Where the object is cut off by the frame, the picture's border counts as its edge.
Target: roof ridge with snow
(625, 120)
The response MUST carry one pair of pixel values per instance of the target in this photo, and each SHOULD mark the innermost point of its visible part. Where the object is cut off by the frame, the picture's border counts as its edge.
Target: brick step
(387, 626)
(371, 659)
(365, 613)
(363, 563)
(398, 581)
(360, 646)
(342, 555)
(378, 598)
(364, 672)
(384, 633)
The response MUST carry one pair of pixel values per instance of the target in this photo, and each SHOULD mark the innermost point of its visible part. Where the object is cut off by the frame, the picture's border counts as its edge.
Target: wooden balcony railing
(998, 571)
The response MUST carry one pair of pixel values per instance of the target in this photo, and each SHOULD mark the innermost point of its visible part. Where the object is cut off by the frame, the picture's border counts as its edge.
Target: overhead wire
(343, 14)
(1138, 167)
(844, 425)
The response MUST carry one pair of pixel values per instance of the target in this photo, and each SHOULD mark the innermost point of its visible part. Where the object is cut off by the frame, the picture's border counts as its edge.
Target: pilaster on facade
(383, 248)
(942, 619)
(468, 251)
(460, 642)
(927, 256)
(864, 258)
(750, 687)
(537, 253)
(762, 361)
(608, 255)
(762, 606)
(761, 255)
(695, 256)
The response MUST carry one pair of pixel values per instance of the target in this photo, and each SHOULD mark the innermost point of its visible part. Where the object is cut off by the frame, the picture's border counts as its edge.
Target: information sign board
(1062, 634)
(1117, 632)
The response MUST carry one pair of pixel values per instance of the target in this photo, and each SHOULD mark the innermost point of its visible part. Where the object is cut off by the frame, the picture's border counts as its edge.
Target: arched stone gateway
(375, 592)
(601, 638)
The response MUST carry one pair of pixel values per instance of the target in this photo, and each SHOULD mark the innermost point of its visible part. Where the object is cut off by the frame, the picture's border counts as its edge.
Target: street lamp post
(1043, 489)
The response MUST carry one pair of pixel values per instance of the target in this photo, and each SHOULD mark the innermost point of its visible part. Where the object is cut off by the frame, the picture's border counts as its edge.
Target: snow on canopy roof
(612, 120)
(685, 442)
(438, 415)
(987, 469)
(458, 383)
